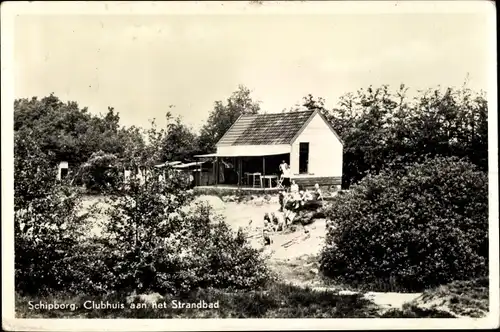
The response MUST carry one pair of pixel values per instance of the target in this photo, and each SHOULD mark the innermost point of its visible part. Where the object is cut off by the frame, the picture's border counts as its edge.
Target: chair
(257, 177)
(279, 185)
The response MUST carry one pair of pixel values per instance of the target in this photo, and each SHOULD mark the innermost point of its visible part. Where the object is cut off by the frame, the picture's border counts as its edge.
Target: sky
(143, 64)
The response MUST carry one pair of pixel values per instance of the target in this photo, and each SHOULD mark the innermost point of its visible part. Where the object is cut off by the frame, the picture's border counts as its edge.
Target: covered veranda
(246, 169)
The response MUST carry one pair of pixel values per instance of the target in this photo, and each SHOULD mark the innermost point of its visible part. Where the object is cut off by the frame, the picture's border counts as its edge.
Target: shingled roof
(265, 129)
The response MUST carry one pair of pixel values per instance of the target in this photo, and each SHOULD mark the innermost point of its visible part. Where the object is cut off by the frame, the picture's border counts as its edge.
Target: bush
(156, 244)
(101, 173)
(421, 226)
(47, 228)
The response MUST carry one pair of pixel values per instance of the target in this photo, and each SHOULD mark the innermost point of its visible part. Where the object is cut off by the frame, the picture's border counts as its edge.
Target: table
(253, 175)
(270, 178)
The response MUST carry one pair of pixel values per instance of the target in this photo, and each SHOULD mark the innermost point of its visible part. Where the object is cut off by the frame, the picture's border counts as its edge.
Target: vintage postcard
(249, 165)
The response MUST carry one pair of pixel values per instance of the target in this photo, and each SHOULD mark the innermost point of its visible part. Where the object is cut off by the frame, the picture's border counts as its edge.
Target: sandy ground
(285, 245)
(293, 255)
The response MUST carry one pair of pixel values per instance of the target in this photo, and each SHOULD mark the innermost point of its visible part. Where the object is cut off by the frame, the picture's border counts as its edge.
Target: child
(266, 231)
(282, 200)
(318, 193)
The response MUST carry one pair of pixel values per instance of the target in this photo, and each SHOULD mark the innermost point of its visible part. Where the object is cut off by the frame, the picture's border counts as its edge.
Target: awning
(169, 163)
(206, 155)
(252, 150)
(197, 163)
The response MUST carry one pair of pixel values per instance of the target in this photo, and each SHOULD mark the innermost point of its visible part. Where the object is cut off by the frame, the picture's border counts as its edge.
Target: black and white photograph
(188, 165)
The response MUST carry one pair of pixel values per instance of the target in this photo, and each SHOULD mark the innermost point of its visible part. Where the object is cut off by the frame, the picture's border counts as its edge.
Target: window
(303, 158)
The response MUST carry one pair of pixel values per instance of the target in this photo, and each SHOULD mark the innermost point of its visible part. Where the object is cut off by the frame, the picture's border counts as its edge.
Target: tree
(383, 128)
(224, 115)
(180, 142)
(66, 131)
(47, 225)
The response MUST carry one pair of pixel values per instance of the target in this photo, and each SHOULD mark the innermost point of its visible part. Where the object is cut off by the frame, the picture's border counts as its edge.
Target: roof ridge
(280, 113)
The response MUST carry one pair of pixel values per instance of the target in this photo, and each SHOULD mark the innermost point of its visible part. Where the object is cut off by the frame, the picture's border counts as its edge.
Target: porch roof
(252, 150)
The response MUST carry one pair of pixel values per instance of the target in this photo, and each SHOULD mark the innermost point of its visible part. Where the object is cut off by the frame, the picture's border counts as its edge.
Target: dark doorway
(64, 173)
(303, 157)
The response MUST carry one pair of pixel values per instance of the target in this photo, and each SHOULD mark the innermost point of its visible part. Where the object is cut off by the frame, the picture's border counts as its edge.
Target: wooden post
(216, 171)
(199, 176)
(238, 159)
(241, 169)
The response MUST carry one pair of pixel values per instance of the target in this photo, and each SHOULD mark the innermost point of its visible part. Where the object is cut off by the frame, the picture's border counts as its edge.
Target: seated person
(317, 192)
(294, 188)
(308, 196)
(266, 233)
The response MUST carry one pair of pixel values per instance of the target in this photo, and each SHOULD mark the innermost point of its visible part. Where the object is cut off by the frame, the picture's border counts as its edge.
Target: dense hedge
(421, 226)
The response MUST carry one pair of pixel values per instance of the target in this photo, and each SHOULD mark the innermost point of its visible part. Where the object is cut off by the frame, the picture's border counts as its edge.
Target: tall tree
(224, 115)
(383, 128)
(70, 133)
(180, 142)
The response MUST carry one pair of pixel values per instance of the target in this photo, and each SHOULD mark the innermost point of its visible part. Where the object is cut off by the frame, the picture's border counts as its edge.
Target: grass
(462, 298)
(458, 298)
(413, 311)
(276, 301)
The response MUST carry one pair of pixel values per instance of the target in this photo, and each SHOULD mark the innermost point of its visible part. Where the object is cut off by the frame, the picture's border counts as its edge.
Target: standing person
(283, 167)
(191, 181)
(285, 173)
(282, 200)
(286, 176)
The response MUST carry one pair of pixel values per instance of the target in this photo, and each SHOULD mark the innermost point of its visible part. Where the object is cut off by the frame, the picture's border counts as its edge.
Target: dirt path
(294, 255)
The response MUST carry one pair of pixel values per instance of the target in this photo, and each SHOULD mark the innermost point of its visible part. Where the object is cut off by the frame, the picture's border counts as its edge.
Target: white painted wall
(252, 150)
(62, 165)
(325, 150)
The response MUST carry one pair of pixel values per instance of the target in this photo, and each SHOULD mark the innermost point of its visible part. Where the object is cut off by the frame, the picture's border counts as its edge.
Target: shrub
(47, 228)
(101, 173)
(421, 226)
(156, 244)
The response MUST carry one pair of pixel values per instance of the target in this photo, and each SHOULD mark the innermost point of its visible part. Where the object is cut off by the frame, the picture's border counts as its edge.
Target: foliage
(416, 312)
(180, 142)
(421, 226)
(34, 171)
(275, 301)
(380, 126)
(461, 298)
(135, 147)
(101, 172)
(224, 115)
(68, 132)
(155, 244)
(47, 227)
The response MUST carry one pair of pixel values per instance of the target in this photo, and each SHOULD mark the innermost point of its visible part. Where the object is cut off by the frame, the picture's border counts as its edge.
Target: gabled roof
(265, 129)
(269, 129)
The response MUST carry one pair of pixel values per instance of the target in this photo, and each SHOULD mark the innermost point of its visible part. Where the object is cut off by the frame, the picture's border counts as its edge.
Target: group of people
(294, 187)
(272, 223)
(297, 198)
(290, 199)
